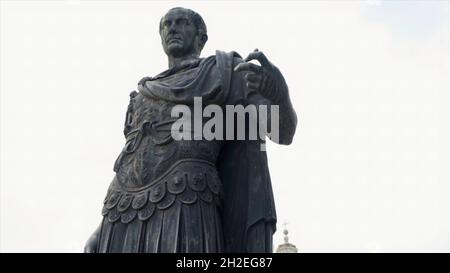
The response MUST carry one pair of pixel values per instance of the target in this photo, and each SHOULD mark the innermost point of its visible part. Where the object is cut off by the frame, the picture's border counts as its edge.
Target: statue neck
(176, 61)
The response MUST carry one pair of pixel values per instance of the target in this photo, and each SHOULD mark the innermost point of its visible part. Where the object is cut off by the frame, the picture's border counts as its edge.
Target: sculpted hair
(198, 22)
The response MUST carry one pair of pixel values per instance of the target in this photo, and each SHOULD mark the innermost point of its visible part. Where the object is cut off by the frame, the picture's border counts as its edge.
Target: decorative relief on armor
(186, 181)
(150, 150)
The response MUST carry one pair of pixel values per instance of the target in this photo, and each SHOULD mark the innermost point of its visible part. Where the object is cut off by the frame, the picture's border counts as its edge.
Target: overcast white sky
(370, 80)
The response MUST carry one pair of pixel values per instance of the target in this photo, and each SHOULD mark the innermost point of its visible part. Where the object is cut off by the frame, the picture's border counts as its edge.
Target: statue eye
(183, 22)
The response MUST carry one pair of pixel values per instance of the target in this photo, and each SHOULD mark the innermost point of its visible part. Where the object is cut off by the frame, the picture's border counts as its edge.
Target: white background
(370, 80)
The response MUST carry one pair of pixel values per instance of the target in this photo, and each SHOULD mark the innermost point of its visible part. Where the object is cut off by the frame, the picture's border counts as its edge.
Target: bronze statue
(194, 195)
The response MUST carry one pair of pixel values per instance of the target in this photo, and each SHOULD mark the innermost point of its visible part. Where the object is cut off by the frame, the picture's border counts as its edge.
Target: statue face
(179, 35)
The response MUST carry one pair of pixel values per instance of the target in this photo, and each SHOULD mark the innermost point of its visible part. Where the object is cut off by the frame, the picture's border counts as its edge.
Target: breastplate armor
(153, 170)
(150, 149)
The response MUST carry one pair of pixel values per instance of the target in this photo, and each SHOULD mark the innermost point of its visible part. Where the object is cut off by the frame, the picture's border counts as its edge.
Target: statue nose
(172, 29)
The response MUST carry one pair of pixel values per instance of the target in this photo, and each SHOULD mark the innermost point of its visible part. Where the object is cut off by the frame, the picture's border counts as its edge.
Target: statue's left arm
(266, 85)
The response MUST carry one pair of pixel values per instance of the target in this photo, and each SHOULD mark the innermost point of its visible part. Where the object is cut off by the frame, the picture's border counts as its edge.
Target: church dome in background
(286, 247)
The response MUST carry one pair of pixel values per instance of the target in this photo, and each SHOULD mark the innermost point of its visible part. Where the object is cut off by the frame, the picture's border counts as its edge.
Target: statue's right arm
(92, 243)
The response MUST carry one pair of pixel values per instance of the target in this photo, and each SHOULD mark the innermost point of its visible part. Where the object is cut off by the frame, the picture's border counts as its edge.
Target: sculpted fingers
(258, 75)
(248, 67)
(253, 81)
(253, 86)
(259, 56)
(252, 77)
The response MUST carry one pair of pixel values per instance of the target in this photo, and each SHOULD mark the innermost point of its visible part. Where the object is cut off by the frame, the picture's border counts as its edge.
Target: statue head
(183, 32)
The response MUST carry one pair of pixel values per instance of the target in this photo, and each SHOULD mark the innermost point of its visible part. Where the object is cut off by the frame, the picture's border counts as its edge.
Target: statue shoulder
(231, 57)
